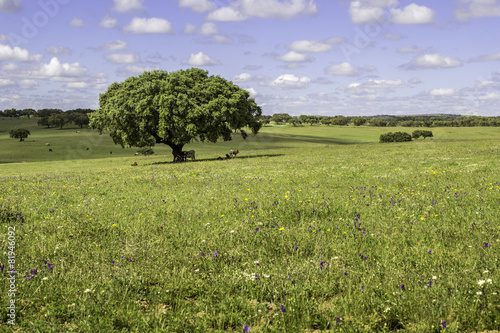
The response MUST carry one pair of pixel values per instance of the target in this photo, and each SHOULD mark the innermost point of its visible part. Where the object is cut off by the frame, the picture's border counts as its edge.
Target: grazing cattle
(133, 164)
(47, 144)
(179, 158)
(227, 156)
(189, 154)
(87, 148)
(111, 152)
(136, 154)
(77, 131)
(50, 149)
(233, 153)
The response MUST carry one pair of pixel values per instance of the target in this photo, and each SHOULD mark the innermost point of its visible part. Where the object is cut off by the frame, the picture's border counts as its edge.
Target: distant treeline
(59, 118)
(52, 117)
(439, 120)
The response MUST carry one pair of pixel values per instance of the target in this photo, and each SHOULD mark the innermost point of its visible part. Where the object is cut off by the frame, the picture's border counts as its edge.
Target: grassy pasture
(310, 229)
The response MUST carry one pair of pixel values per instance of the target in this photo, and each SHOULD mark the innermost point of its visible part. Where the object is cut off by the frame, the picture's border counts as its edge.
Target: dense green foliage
(395, 137)
(19, 133)
(174, 109)
(419, 133)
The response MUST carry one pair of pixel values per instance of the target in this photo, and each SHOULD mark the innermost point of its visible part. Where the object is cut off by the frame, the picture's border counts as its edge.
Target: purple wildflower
(345, 273)
(444, 324)
(363, 288)
(487, 244)
(338, 320)
(246, 329)
(215, 254)
(50, 266)
(430, 251)
(283, 308)
(403, 287)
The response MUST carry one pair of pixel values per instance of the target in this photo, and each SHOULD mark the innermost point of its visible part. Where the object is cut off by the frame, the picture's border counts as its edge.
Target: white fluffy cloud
(243, 77)
(76, 22)
(208, 28)
(128, 5)
(409, 49)
(490, 96)
(6, 82)
(197, 5)
(10, 6)
(242, 9)
(373, 87)
(108, 22)
(77, 85)
(28, 83)
(57, 69)
(17, 54)
(58, 50)
(290, 81)
(490, 57)
(3, 38)
(442, 92)
(312, 46)
(152, 25)
(477, 8)
(412, 14)
(433, 61)
(344, 68)
(365, 13)
(293, 56)
(200, 59)
(123, 58)
(114, 45)
(9, 66)
(252, 92)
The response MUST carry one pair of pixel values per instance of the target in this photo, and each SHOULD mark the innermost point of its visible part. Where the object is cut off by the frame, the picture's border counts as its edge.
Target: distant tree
(80, 119)
(312, 120)
(264, 120)
(358, 121)
(19, 133)
(341, 120)
(47, 112)
(427, 134)
(303, 118)
(326, 121)
(28, 112)
(395, 137)
(280, 117)
(58, 120)
(416, 134)
(11, 113)
(294, 121)
(44, 121)
(174, 109)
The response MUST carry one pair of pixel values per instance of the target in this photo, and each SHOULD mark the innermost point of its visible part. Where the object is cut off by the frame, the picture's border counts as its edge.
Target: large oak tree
(174, 108)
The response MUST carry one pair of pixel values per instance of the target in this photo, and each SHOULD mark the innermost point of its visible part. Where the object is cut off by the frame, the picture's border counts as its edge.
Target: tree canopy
(19, 133)
(174, 109)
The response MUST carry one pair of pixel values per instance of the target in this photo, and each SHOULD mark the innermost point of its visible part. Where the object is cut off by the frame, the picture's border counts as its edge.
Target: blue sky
(314, 57)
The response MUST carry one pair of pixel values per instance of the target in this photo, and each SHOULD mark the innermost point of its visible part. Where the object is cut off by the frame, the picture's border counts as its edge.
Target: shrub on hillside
(146, 151)
(418, 133)
(395, 137)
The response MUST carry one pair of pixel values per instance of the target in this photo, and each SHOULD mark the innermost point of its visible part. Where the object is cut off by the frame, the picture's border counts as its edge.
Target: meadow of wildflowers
(360, 237)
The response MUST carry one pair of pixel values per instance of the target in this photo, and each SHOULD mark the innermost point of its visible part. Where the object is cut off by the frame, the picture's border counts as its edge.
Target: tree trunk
(177, 152)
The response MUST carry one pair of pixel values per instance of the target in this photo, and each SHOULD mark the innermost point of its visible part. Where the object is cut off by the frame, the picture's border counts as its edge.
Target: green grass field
(309, 229)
